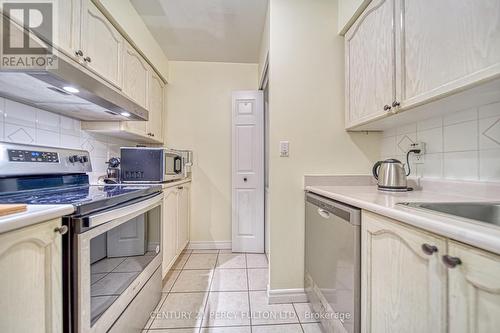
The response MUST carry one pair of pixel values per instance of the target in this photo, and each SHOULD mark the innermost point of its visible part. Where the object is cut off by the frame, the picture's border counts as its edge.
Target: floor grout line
(208, 292)
(298, 318)
(248, 293)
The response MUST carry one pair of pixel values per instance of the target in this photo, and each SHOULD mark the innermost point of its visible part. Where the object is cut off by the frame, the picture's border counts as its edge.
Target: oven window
(118, 256)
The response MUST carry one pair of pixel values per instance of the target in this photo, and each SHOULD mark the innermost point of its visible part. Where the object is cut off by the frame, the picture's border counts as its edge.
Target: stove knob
(82, 159)
(73, 158)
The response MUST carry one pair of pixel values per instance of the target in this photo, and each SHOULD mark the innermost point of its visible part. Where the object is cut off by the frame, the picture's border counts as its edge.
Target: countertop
(367, 197)
(35, 214)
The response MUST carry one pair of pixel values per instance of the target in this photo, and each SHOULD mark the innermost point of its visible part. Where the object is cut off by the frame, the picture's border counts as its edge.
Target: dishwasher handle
(327, 207)
(323, 213)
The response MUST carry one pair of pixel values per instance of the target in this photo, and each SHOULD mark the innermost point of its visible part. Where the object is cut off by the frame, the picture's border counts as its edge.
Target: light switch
(284, 148)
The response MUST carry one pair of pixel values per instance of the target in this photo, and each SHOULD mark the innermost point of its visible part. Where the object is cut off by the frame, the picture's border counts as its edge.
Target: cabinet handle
(387, 107)
(451, 262)
(395, 104)
(429, 249)
(180, 187)
(62, 229)
(87, 59)
(79, 53)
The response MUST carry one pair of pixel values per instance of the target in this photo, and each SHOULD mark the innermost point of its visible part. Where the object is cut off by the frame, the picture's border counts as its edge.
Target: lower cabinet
(175, 223)
(31, 279)
(403, 287)
(416, 281)
(474, 288)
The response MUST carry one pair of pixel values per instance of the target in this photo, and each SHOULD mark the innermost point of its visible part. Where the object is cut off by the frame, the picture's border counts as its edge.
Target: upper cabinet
(156, 106)
(401, 54)
(136, 70)
(446, 45)
(68, 27)
(101, 44)
(370, 64)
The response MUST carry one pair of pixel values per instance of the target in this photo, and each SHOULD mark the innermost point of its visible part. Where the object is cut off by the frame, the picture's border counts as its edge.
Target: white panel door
(248, 172)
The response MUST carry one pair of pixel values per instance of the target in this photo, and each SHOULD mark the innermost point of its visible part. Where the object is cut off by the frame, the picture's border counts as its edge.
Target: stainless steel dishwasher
(332, 263)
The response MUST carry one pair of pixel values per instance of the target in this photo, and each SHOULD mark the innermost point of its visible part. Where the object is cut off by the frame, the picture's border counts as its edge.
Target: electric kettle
(390, 175)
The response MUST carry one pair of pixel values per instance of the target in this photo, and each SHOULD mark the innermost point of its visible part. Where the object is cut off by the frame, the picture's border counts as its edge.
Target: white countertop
(35, 214)
(369, 198)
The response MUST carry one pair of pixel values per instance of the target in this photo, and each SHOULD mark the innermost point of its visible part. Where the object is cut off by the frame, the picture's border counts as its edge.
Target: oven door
(173, 166)
(113, 260)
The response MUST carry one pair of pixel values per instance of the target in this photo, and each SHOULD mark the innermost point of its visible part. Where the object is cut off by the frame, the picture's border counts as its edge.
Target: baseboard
(280, 296)
(209, 245)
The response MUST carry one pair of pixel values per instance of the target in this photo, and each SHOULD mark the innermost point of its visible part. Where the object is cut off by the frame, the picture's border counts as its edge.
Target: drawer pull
(451, 262)
(429, 249)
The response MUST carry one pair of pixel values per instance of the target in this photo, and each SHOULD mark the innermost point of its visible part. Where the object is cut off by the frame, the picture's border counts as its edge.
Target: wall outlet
(284, 148)
(418, 158)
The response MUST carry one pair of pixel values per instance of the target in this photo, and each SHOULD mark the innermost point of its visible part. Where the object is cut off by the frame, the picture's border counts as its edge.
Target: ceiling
(206, 30)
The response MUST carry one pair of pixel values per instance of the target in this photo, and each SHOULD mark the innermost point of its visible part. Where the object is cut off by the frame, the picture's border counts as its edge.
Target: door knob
(245, 179)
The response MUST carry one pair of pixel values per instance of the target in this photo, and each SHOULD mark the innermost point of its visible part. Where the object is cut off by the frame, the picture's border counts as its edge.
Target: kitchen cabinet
(401, 54)
(170, 218)
(445, 46)
(370, 64)
(183, 217)
(136, 76)
(474, 290)
(68, 27)
(101, 44)
(403, 282)
(156, 106)
(175, 223)
(31, 279)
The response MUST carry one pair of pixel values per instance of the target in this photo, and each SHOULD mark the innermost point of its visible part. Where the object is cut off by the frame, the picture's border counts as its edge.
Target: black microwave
(150, 165)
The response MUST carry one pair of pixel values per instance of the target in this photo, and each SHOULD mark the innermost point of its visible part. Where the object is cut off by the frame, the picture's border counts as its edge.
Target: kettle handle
(375, 169)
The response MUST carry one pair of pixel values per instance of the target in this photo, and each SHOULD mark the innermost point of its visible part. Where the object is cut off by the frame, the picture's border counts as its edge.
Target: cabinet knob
(87, 59)
(429, 249)
(395, 104)
(62, 229)
(152, 134)
(180, 187)
(451, 262)
(387, 107)
(79, 53)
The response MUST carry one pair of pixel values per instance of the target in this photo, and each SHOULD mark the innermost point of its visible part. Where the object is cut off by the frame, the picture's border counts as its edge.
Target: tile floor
(212, 291)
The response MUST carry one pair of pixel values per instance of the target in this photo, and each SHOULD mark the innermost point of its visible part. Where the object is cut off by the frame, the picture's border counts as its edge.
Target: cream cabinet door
(445, 46)
(31, 279)
(102, 44)
(370, 64)
(135, 76)
(68, 28)
(183, 222)
(170, 218)
(474, 290)
(156, 106)
(403, 285)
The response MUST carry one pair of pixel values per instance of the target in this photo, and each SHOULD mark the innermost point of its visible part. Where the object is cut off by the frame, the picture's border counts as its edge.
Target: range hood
(92, 101)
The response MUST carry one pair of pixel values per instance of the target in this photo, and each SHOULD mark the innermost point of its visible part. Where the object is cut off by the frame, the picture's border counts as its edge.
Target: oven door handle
(124, 212)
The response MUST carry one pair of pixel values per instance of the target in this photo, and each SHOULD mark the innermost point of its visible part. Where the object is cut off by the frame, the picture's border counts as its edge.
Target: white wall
(130, 21)
(199, 118)
(21, 123)
(306, 108)
(264, 46)
(348, 11)
(464, 145)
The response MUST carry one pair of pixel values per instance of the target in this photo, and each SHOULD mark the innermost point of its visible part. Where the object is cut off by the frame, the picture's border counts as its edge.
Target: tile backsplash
(464, 145)
(22, 123)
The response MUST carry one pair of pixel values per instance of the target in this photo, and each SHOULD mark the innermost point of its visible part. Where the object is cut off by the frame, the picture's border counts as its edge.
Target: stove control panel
(32, 156)
(78, 158)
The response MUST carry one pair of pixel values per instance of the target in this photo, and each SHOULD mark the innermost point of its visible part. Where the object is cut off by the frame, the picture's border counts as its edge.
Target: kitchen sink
(488, 212)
